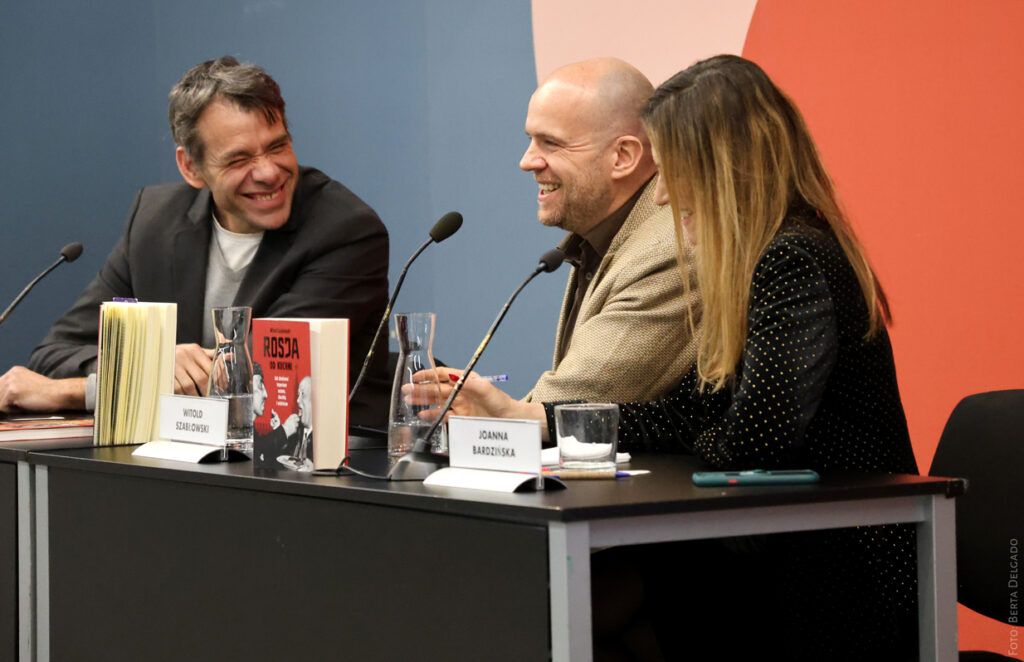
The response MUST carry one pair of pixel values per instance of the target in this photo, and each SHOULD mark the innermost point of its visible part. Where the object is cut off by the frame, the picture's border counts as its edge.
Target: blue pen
(486, 378)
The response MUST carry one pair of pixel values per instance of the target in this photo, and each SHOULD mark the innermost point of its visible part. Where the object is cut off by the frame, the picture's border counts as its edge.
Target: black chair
(983, 441)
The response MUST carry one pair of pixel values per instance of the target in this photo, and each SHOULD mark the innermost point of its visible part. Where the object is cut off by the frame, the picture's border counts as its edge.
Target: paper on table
(549, 457)
(580, 451)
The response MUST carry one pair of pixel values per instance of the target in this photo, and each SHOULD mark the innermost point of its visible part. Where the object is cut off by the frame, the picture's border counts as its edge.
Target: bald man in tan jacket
(623, 333)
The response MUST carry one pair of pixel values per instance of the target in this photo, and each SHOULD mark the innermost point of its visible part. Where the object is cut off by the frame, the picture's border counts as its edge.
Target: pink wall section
(916, 106)
(659, 37)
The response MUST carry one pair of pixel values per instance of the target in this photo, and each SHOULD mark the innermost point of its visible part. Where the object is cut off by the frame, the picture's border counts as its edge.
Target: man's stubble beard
(586, 205)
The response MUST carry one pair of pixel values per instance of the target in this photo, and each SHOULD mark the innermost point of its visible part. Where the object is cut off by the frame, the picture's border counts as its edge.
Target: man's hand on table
(22, 390)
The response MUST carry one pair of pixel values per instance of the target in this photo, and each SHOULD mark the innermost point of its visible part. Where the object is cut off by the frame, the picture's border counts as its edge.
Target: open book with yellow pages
(135, 365)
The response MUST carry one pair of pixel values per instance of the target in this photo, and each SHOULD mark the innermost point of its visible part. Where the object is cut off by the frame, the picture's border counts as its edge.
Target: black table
(148, 559)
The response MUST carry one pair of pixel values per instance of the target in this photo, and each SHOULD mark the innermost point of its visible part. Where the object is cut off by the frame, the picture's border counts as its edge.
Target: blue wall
(416, 106)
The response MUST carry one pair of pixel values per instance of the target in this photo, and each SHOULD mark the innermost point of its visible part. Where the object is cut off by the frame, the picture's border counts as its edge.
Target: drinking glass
(588, 435)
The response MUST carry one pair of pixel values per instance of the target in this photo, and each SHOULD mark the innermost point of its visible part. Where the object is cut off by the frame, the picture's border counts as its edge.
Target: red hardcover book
(41, 432)
(300, 393)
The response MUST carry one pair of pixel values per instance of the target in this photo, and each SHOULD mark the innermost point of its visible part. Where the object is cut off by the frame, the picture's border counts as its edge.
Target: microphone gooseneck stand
(69, 253)
(420, 462)
(448, 225)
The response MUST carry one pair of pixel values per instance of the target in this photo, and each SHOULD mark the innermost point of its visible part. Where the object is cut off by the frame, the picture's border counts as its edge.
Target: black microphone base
(417, 465)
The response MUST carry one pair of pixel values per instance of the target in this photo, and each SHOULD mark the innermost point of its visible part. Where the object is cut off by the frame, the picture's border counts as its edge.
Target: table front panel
(146, 569)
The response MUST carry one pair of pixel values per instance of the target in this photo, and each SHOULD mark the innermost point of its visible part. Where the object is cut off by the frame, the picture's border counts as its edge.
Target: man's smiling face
(569, 158)
(248, 165)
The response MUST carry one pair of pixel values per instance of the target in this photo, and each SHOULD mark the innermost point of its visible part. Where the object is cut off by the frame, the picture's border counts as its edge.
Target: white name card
(481, 479)
(495, 444)
(192, 419)
(493, 454)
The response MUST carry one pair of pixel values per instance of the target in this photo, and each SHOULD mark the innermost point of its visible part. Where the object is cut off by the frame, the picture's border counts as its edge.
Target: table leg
(569, 563)
(26, 564)
(936, 581)
(42, 563)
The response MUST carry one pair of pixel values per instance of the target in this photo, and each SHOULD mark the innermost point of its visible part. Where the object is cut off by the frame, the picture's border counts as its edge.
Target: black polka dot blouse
(810, 392)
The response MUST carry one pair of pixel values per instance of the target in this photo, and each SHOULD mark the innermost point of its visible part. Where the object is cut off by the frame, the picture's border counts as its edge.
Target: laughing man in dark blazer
(249, 227)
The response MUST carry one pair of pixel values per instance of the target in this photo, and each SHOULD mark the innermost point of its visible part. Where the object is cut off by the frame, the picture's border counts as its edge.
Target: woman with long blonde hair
(794, 365)
(792, 332)
(742, 174)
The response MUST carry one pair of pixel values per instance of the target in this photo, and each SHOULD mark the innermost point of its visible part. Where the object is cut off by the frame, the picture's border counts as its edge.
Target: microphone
(69, 253)
(420, 462)
(549, 262)
(444, 228)
(448, 225)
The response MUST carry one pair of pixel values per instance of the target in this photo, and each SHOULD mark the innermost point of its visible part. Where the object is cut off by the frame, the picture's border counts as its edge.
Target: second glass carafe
(415, 335)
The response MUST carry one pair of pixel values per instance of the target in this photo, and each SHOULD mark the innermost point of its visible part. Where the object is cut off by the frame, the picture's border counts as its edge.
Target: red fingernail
(452, 377)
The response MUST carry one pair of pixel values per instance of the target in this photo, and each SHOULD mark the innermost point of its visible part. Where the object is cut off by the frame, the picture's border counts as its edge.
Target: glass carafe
(415, 334)
(231, 372)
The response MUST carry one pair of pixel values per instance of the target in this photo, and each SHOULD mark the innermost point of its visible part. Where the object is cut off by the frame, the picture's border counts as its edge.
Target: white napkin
(549, 457)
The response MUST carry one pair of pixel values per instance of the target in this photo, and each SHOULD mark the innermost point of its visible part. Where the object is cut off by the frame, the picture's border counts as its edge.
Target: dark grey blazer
(329, 260)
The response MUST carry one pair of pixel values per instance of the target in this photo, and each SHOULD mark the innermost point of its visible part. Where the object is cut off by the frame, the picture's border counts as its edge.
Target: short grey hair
(243, 84)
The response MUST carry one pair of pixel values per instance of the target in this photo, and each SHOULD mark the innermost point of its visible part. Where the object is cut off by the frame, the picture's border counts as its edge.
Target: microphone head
(71, 251)
(446, 227)
(551, 260)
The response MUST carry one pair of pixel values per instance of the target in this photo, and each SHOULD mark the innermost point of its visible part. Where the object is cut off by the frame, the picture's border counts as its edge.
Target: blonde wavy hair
(736, 154)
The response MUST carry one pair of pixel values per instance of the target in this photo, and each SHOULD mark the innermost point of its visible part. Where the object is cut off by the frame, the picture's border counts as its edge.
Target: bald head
(588, 149)
(611, 93)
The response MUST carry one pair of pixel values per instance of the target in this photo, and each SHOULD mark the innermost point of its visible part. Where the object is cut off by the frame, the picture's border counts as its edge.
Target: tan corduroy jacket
(632, 340)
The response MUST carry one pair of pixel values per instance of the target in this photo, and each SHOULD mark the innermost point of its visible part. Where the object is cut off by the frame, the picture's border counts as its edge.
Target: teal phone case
(754, 477)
